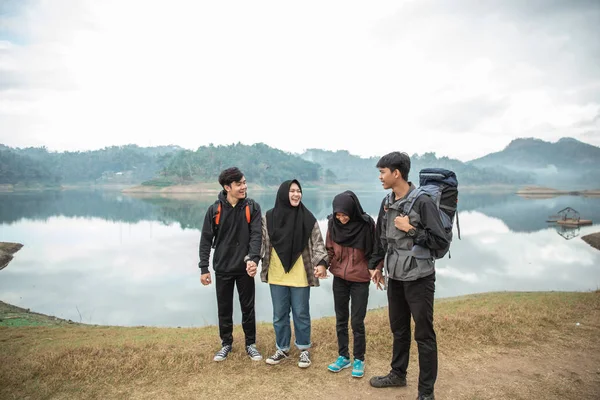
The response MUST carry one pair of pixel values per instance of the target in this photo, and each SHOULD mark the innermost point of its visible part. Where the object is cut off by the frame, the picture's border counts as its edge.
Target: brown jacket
(313, 255)
(346, 262)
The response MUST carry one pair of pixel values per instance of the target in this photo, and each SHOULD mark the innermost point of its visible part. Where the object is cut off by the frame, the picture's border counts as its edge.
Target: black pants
(245, 288)
(358, 292)
(414, 298)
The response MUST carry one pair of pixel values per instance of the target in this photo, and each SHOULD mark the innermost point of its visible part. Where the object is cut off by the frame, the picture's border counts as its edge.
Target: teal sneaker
(358, 369)
(339, 364)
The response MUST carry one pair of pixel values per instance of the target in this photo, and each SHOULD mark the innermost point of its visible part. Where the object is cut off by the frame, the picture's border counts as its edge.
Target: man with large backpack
(232, 226)
(409, 231)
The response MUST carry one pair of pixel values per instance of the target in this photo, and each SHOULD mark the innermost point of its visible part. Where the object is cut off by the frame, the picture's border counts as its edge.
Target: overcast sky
(459, 78)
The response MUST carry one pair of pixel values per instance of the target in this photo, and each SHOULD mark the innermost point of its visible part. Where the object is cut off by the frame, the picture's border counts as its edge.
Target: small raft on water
(574, 222)
(569, 217)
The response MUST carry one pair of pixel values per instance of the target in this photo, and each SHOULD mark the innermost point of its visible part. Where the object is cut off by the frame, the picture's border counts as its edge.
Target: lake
(106, 258)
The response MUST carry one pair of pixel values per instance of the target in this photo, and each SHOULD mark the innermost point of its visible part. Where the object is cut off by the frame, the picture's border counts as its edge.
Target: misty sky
(460, 78)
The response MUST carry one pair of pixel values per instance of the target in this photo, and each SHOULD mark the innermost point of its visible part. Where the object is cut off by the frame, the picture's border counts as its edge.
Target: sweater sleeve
(319, 253)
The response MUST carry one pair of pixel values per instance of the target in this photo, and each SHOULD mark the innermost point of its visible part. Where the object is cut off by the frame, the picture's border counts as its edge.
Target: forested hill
(260, 163)
(264, 165)
(117, 164)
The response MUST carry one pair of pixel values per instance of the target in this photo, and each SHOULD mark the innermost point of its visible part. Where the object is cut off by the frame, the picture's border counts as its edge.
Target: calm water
(105, 258)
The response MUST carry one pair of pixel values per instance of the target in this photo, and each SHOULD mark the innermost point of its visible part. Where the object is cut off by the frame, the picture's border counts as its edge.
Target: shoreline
(15, 316)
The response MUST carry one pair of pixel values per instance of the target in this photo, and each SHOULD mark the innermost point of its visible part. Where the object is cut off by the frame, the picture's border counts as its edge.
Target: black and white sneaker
(304, 361)
(278, 357)
(253, 353)
(223, 353)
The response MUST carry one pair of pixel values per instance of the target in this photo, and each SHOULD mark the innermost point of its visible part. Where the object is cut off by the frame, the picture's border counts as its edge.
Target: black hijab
(289, 227)
(359, 231)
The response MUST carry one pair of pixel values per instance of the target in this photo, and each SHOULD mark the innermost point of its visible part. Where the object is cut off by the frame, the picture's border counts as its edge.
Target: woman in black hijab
(294, 259)
(350, 241)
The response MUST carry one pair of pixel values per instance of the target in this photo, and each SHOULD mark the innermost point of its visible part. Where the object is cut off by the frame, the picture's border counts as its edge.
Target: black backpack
(442, 186)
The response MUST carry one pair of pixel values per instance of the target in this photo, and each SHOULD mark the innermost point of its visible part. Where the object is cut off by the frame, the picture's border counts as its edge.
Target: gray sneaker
(253, 352)
(223, 353)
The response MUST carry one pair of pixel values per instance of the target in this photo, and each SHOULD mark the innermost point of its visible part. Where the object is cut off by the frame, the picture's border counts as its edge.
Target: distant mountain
(351, 168)
(566, 163)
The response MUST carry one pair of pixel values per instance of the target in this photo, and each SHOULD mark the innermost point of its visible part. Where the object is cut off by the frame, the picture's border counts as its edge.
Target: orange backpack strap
(248, 213)
(218, 214)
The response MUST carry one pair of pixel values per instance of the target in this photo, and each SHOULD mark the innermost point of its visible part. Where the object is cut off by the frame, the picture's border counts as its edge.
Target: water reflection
(106, 258)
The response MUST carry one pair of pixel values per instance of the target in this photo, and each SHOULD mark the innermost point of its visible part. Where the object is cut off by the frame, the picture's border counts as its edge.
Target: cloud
(465, 78)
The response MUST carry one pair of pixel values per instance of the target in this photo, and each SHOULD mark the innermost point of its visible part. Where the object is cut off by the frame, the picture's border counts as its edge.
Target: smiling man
(232, 226)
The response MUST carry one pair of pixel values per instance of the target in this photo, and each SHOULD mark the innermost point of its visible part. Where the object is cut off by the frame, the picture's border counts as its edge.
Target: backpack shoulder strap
(411, 199)
(217, 212)
(249, 209)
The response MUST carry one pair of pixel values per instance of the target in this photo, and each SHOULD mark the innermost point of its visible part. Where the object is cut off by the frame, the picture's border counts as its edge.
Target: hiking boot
(278, 357)
(426, 397)
(358, 369)
(223, 353)
(253, 352)
(304, 361)
(389, 380)
(339, 364)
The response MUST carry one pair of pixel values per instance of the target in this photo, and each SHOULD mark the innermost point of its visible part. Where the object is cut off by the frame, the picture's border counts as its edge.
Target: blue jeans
(296, 298)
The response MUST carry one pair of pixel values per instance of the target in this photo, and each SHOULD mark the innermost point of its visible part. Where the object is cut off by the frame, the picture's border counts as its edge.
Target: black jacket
(235, 238)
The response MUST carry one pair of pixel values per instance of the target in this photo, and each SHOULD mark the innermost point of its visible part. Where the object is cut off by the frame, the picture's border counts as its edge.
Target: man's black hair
(396, 160)
(230, 175)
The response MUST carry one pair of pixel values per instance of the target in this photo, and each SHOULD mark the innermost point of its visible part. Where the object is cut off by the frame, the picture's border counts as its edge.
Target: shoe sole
(219, 359)
(386, 386)
(256, 358)
(273, 362)
(357, 376)
(304, 365)
(338, 370)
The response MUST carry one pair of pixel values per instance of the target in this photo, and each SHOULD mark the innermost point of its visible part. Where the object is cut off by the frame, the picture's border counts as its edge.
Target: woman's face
(295, 195)
(343, 218)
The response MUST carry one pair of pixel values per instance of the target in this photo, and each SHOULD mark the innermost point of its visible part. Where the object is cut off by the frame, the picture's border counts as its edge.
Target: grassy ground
(492, 346)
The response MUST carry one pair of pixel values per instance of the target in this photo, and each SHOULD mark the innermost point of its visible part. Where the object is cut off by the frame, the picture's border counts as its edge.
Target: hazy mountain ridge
(523, 161)
(567, 162)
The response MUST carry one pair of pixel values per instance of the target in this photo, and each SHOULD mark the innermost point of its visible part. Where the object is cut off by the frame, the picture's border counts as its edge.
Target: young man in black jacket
(404, 243)
(232, 226)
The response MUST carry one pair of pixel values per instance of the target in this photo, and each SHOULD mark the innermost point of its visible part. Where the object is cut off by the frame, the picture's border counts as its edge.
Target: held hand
(251, 268)
(377, 278)
(205, 279)
(320, 272)
(402, 223)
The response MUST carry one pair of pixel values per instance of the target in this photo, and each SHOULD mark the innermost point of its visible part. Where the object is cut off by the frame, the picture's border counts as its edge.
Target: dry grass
(492, 346)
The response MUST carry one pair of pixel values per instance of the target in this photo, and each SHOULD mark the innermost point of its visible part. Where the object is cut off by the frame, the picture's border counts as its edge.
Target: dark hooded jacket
(235, 237)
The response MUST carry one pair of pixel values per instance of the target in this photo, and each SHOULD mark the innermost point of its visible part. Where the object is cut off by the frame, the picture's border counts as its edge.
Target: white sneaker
(253, 353)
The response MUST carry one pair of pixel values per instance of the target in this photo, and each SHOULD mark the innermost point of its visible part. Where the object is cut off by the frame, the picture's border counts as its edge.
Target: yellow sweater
(296, 277)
